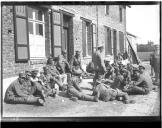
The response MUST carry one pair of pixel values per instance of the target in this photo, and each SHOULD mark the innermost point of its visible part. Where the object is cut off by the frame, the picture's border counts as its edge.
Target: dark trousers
(98, 76)
(80, 95)
(21, 100)
(135, 90)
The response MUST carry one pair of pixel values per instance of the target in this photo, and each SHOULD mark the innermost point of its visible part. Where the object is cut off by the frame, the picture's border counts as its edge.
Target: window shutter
(106, 41)
(21, 34)
(84, 38)
(56, 32)
(94, 37)
(121, 41)
(109, 42)
(90, 40)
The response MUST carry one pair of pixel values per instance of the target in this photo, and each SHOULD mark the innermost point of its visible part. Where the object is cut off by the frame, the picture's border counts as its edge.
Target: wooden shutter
(56, 33)
(21, 34)
(106, 42)
(89, 42)
(109, 41)
(94, 37)
(84, 38)
(121, 41)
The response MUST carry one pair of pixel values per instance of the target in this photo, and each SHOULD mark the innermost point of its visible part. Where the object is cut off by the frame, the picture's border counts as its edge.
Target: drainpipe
(97, 23)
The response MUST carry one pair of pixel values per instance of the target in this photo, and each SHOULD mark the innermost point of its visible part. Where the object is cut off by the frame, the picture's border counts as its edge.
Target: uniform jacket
(17, 90)
(98, 62)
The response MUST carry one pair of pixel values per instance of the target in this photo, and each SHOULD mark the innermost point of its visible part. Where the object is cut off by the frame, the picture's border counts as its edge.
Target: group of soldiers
(110, 82)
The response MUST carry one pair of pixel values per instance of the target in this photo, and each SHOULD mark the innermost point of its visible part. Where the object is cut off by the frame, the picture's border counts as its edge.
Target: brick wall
(9, 67)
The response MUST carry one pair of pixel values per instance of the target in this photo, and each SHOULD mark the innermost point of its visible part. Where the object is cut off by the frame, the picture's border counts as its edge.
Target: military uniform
(23, 93)
(142, 86)
(73, 91)
(106, 93)
(110, 72)
(99, 66)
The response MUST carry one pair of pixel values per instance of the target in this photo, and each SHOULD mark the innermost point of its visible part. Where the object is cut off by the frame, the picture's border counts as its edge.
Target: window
(86, 38)
(21, 36)
(121, 14)
(121, 41)
(107, 9)
(108, 46)
(36, 27)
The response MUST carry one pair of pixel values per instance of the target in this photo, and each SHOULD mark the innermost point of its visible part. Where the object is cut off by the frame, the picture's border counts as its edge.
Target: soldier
(55, 73)
(99, 66)
(62, 63)
(106, 93)
(22, 92)
(143, 85)
(75, 64)
(74, 93)
(109, 70)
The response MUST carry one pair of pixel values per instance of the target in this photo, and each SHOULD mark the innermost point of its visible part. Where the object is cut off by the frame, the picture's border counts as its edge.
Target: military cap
(22, 75)
(77, 51)
(64, 51)
(98, 81)
(45, 68)
(142, 66)
(27, 72)
(35, 71)
(107, 60)
(100, 46)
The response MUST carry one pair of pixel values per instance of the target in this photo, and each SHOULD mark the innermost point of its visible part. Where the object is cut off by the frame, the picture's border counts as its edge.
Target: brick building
(30, 34)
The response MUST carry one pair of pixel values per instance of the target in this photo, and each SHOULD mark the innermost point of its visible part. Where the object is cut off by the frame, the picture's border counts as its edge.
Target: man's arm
(18, 91)
(138, 82)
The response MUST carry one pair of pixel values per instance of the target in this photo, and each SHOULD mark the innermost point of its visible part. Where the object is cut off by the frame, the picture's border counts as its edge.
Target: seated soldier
(109, 70)
(106, 93)
(22, 92)
(74, 93)
(62, 64)
(75, 64)
(51, 81)
(143, 85)
(55, 73)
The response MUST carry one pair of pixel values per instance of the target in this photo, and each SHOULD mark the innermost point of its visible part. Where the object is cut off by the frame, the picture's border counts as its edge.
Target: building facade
(30, 34)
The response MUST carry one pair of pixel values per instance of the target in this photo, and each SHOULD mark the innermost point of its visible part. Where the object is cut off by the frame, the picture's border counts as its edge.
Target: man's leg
(135, 90)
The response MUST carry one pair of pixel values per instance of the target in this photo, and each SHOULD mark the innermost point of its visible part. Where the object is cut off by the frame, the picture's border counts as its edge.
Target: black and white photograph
(80, 59)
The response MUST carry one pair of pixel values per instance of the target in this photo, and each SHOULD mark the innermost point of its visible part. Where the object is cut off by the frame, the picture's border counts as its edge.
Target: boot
(34, 100)
(89, 98)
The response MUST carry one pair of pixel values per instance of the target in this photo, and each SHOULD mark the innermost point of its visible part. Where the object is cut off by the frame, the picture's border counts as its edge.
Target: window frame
(15, 16)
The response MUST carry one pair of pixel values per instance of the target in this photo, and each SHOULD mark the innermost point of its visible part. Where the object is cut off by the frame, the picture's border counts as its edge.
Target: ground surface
(62, 106)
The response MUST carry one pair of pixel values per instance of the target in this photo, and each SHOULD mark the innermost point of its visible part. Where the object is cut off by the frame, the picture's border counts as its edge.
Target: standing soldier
(99, 66)
(152, 63)
(156, 64)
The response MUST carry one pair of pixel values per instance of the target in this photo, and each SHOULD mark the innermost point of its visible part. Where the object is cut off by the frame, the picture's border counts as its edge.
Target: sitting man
(55, 73)
(143, 85)
(106, 93)
(75, 93)
(63, 67)
(22, 92)
(75, 64)
(109, 70)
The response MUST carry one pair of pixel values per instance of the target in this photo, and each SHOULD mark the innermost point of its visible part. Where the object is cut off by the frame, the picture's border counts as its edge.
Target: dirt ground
(62, 106)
